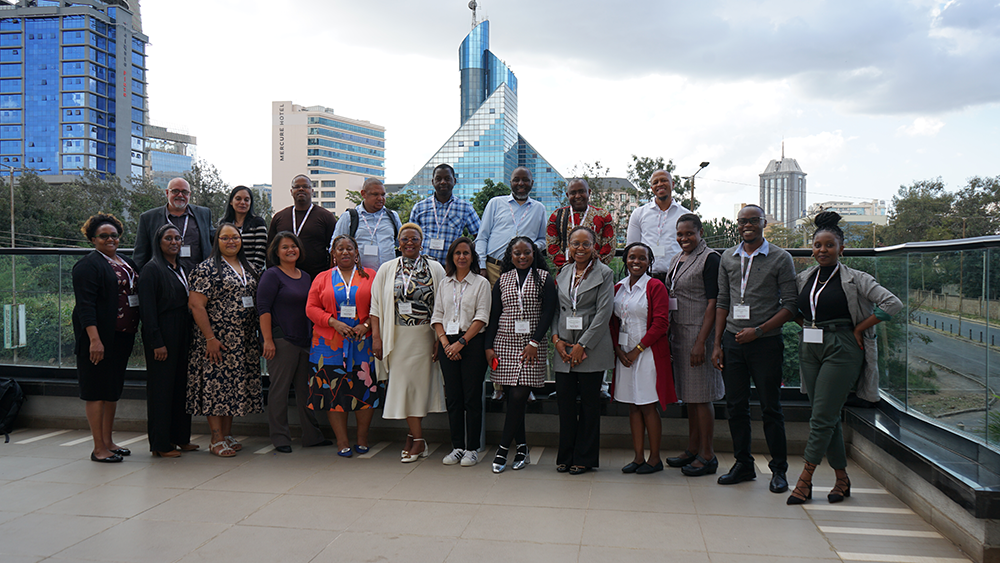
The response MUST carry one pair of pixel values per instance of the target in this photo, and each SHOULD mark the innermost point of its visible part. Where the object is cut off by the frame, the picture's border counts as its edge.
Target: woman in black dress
(105, 320)
(166, 330)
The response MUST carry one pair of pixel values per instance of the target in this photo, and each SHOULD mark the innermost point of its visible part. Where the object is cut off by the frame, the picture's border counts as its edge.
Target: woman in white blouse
(461, 312)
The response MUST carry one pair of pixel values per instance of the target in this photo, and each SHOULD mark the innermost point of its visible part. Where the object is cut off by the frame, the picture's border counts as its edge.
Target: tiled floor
(56, 505)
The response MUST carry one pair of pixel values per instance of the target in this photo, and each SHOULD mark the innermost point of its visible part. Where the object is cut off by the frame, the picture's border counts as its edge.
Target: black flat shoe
(708, 467)
(681, 460)
(562, 468)
(122, 452)
(579, 469)
(283, 449)
(631, 467)
(113, 458)
(738, 473)
(646, 469)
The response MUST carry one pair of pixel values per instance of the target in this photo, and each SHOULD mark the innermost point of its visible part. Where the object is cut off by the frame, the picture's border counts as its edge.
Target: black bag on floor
(11, 399)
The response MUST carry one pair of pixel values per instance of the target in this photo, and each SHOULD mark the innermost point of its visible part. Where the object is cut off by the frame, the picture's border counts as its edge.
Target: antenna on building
(782, 149)
(472, 6)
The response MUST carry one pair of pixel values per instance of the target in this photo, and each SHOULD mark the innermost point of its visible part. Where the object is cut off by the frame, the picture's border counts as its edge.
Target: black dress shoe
(113, 458)
(322, 444)
(646, 469)
(778, 483)
(122, 452)
(738, 473)
(708, 467)
(681, 460)
(631, 467)
(283, 449)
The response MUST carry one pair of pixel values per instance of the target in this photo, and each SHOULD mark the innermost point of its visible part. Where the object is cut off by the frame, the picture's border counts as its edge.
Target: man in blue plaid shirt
(442, 216)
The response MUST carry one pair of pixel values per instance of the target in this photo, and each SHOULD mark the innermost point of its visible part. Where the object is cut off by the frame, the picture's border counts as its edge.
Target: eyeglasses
(180, 192)
(749, 220)
(229, 239)
(405, 240)
(106, 236)
(577, 244)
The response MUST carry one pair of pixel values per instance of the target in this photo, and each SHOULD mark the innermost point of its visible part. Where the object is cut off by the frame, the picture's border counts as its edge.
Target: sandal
(405, 453)
(410, 458)
(578, 469)
(232, 443)
(221, 449)
(562, 468)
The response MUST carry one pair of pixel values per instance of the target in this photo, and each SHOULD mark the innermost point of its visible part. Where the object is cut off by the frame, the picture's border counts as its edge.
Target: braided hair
(333, 245)
(827, 221)
(649, 252)
(538, 261)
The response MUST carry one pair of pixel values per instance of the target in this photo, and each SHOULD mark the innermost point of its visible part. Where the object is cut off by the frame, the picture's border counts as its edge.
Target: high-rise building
(783, 191)
(169, 154)
(487, 144)
(73, 87)
(336, 152)
(861, 213)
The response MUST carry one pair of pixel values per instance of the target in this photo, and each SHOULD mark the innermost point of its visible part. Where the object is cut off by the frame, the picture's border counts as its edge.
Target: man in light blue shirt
(372, 225)
(509, 216)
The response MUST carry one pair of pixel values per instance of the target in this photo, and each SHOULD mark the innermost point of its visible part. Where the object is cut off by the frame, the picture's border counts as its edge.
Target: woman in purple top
(281, 303)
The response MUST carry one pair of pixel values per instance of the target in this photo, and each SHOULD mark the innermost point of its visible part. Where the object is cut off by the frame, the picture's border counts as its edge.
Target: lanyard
(745, 275)
(129, 273)
(242, 277)
(516, 221)
(659, 225)
(520, 294)
(574, 290)
(814, 295)
(629, 295)
(447, 209)
(374, 232)
(182, 278)
(298, 230)
(457, 297)
(347, 284)
(673, 273)
(407, 280)
(185, 229)
(572, 220)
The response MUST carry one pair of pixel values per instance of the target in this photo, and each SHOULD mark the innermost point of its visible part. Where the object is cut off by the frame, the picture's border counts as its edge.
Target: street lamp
(702, 165)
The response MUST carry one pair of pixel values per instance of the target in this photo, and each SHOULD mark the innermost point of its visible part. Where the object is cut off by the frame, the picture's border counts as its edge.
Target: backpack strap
(395, 230)
(353, 212)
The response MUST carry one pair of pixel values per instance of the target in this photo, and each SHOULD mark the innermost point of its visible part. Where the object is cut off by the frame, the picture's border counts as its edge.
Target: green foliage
(208, 189)
(790, 362)
(490, 190)
(400, 202)
(721, 233)
(643, 167)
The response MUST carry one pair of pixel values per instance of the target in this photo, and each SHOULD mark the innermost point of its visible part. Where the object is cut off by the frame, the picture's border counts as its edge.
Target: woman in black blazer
(166, 330)
(105, 320)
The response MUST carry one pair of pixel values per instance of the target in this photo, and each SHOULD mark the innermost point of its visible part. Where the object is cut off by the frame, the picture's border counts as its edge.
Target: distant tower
(783, 190)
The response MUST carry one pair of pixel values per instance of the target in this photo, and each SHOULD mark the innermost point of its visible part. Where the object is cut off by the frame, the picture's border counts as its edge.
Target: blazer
(865, 297)
(96, 289)
(595, 303)
(655, 339)
(155, 218)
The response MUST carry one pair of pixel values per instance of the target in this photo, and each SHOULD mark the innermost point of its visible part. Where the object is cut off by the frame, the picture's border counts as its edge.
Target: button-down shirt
(651, 226)
(475, 299)
(191, 236)
(503, 220)
(444, 222)
(368, 223)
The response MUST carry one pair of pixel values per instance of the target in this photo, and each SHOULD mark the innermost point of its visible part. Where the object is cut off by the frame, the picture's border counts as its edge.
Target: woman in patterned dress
(524, 302)
(403, 338)
(343, 368)
(224, 365)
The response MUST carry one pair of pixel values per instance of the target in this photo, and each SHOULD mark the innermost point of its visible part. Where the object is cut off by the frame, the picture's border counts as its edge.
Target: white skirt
(415, 387)
(636, 385)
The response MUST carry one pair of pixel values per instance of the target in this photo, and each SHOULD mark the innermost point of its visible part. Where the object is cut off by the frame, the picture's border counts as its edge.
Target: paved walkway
(312, 506)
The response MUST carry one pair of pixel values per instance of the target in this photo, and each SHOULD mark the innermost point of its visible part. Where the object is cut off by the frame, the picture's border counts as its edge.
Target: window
(328, 195)
(329, 205)
(328, 184)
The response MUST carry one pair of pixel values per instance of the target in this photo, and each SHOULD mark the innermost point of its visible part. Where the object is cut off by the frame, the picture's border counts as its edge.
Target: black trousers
(758, 361)
(579, 427)
(463, 392)
(167, 423)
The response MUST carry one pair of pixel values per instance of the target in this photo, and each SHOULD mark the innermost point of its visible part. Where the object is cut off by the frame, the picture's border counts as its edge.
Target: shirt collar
(187, 211)
(361, 209)
(510, 198)
(763, 249)
(652, 205)
(639, 285)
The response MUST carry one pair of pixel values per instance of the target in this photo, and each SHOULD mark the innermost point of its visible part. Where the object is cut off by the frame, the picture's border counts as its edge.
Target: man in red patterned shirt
(579, 212)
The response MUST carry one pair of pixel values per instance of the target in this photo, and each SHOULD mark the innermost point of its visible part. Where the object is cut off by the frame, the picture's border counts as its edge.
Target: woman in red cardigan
(643, 374)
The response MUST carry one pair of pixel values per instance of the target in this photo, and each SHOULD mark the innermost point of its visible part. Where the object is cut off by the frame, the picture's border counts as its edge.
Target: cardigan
(655, 339)
(864, 297)
(384, 303)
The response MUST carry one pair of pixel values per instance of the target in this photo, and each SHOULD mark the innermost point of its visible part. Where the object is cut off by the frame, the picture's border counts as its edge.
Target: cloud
(922, 127)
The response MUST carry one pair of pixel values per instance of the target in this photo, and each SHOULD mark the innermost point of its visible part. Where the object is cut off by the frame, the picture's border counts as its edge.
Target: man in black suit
(193, 221)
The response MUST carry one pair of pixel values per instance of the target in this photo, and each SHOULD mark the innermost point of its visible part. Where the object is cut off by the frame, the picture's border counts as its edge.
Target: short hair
(308, 179)
(649, 251)
(370, 181)
(444, 166)
(413, 226)
(576, 181)
(827, 221)
(690, 218)
(272, 249)
(762, 212)
(450, 268)
(667, 172)
(89, 228)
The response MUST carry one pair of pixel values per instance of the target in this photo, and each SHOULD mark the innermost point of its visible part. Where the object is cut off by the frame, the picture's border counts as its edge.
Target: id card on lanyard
(741, 312)
(133, 299)
(347, 311)
(372, 249)
(522, 326)
(575, 322)
(452, 328)
(185, 248)
(437, 243)
(814, 334)
(247, 299)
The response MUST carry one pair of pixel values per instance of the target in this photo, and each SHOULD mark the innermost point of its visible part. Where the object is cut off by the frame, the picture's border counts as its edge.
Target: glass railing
(938, 357)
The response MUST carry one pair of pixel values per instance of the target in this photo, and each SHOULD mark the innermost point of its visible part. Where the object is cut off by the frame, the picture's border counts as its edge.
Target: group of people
(370, 313)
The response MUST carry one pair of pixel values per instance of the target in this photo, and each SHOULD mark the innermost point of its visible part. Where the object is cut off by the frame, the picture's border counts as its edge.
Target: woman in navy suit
(105, 320)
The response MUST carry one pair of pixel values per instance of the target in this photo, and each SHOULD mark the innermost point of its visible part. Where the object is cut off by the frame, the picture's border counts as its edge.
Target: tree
(977, 207)
(721, 233)
(922, 211)
(400, 202)
(208, 189)
(490, 190)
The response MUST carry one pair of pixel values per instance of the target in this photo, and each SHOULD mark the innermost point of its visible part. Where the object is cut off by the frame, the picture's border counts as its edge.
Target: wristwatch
(758, 331)
(461, 340)
(533, 343)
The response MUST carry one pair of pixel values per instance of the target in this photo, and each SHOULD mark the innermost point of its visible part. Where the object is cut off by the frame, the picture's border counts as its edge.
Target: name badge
(673, 303)
(371, 250)
(133, 300)
(186, 251)
(623, 341)
(437, 244)
(348, 311)
(574, 323)
(741, 312)
(659, 250)
(812, 335)
(451, 329)
(247, 301)
(404, 308)
(522, 327)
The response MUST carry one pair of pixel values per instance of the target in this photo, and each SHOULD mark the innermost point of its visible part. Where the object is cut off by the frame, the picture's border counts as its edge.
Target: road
(977, 331)
(957, 354)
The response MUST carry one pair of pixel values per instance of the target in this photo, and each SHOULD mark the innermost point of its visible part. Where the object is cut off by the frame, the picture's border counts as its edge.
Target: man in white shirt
(655, 223)
(509, 216)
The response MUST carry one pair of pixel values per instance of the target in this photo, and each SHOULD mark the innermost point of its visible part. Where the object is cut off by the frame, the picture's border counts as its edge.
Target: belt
(492, 260)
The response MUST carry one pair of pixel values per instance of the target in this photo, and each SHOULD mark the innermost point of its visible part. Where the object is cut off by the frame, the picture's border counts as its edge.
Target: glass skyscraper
(487, 144)
(72, 87)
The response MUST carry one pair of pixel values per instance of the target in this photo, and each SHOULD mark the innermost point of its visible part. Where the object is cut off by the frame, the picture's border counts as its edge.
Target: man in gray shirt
(756, 298)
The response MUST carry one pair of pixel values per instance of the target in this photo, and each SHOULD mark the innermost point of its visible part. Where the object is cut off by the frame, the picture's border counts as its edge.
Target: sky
(866, 96)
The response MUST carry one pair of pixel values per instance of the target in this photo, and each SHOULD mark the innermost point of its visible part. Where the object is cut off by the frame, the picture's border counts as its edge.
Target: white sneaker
(454, 457)
(470, 458)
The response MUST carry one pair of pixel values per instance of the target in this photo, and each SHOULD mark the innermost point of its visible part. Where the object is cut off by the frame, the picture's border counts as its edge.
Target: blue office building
(487, 144)
(72, 87)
